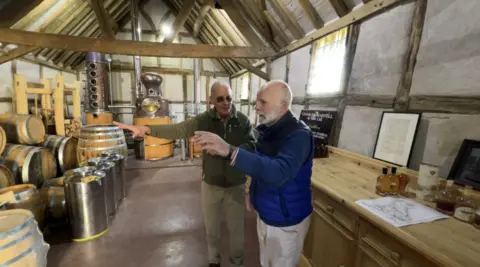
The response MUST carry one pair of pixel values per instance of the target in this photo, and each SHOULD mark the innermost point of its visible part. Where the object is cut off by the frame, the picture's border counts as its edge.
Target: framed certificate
(395, 137)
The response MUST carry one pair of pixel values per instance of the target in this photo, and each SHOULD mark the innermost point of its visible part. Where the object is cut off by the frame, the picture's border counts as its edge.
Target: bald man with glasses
(222, 187)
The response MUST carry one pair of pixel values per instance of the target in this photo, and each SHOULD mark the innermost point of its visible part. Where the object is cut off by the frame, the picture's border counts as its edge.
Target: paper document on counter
(401, 211)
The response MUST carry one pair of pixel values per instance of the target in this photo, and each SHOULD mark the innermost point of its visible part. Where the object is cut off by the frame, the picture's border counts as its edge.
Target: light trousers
(220, 203)
(281, 246)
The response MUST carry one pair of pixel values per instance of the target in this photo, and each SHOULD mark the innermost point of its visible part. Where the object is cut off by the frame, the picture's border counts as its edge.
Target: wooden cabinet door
(332, 245)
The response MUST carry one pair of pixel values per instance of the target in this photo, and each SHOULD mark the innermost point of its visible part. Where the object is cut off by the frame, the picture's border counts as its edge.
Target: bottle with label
(446, 199)
(466, 206)
(403, 181)
(394, 182)
(382, 183)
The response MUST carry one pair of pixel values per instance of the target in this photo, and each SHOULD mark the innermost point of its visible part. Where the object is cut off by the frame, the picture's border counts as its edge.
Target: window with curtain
(327, 64)
(244, 87)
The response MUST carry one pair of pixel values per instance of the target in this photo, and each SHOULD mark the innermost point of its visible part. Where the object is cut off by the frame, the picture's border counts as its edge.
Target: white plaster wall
(298, 71)
(278, 69)
(449, 55)
(381, 48)
(439, 138)
(7, 82)
(360, 129)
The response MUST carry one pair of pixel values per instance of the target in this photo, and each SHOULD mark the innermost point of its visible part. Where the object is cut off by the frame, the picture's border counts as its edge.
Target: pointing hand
(137, 130)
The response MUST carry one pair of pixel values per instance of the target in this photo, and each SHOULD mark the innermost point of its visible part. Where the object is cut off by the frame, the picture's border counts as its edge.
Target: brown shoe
(214, 265)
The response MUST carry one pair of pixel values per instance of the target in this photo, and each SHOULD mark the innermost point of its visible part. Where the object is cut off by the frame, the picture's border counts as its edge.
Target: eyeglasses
(221, 99)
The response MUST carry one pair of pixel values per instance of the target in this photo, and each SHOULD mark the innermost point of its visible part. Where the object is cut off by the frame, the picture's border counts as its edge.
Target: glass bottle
(466, 207)
(403, 181)
(382, 183)
(394, 182)
(445, 199)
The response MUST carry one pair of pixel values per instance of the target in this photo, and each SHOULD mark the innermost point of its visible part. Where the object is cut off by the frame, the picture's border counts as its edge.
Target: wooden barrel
(156, 148)
(64, 149)
(21, 242)
(29, 164)
(95, 139)
(21, 191)
(104, 118)
(6, 177)
(54, 199)
(23, 129)
(27, 197)
(54, 182)
(3, 139)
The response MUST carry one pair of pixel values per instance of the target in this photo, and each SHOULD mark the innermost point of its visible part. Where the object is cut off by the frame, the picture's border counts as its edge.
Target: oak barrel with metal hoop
(3, 139)
(6, 177)
(65, 151)
(27, 197)
(155, 148)
(23, 129)
(54, 198)
(95, 139)
(29, 164)
(21, 242)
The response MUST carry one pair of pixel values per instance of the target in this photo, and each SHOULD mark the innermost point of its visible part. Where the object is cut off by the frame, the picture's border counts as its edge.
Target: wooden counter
(343, 234)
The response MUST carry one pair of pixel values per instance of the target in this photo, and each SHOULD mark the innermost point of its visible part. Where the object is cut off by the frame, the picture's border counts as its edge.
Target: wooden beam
(207, 5)
(104, 19)
(125, 47)
(148, 19)
(180, 20)
(377, 101)
(244, 63)
(444, 104)
(288, 19)
(340, 7)
(17, 52)
(232, 8)
(361, 13)
(175, 71)
(14, 11)
(416, 30)
(312, 14)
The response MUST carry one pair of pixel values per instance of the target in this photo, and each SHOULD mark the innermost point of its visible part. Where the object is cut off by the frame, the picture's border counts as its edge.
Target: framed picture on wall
(395, 137)
(466, 167)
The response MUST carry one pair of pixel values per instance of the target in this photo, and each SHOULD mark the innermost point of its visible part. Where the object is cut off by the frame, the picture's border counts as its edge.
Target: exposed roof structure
(274, 24)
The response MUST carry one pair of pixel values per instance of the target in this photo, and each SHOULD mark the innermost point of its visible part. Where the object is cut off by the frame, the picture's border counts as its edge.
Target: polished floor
(159, 224)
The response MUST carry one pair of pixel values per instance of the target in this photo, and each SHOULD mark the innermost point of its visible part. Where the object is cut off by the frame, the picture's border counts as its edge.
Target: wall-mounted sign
(321, 123)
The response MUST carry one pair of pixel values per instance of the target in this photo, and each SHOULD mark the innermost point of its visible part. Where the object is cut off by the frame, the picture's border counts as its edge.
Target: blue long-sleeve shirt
(282, 168)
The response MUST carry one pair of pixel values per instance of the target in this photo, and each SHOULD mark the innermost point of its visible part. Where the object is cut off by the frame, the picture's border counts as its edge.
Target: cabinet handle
(330, 209)
(395, 256)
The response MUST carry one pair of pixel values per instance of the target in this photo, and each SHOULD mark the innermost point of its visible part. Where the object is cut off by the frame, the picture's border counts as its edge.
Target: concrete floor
(159, 224)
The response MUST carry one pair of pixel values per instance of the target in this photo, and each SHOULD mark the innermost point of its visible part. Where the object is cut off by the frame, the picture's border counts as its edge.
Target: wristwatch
(230, 152)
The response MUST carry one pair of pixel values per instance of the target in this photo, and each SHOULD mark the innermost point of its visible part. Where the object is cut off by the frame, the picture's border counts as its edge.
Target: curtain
(327, 64)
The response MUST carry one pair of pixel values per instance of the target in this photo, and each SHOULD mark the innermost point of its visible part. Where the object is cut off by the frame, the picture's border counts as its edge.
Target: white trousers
(281, 246)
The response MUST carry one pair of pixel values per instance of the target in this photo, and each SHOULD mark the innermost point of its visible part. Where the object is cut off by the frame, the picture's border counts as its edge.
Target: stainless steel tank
(120, 162)
(86, 206)
(102, 164)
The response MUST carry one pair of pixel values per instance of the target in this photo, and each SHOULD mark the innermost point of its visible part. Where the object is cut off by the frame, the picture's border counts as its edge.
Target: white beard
(269, 118)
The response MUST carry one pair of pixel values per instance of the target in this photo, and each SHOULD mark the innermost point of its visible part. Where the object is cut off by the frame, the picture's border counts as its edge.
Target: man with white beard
(281, 170)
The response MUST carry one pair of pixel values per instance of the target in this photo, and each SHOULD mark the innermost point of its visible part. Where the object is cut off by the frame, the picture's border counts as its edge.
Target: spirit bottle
(382, 183)
(466, 207)
(387, 184)
(394, 182)
(403, 181)
(445, 199)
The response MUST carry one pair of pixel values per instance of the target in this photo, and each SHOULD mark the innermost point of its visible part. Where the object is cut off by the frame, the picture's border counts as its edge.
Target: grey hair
(285, 89)
(219, 83)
